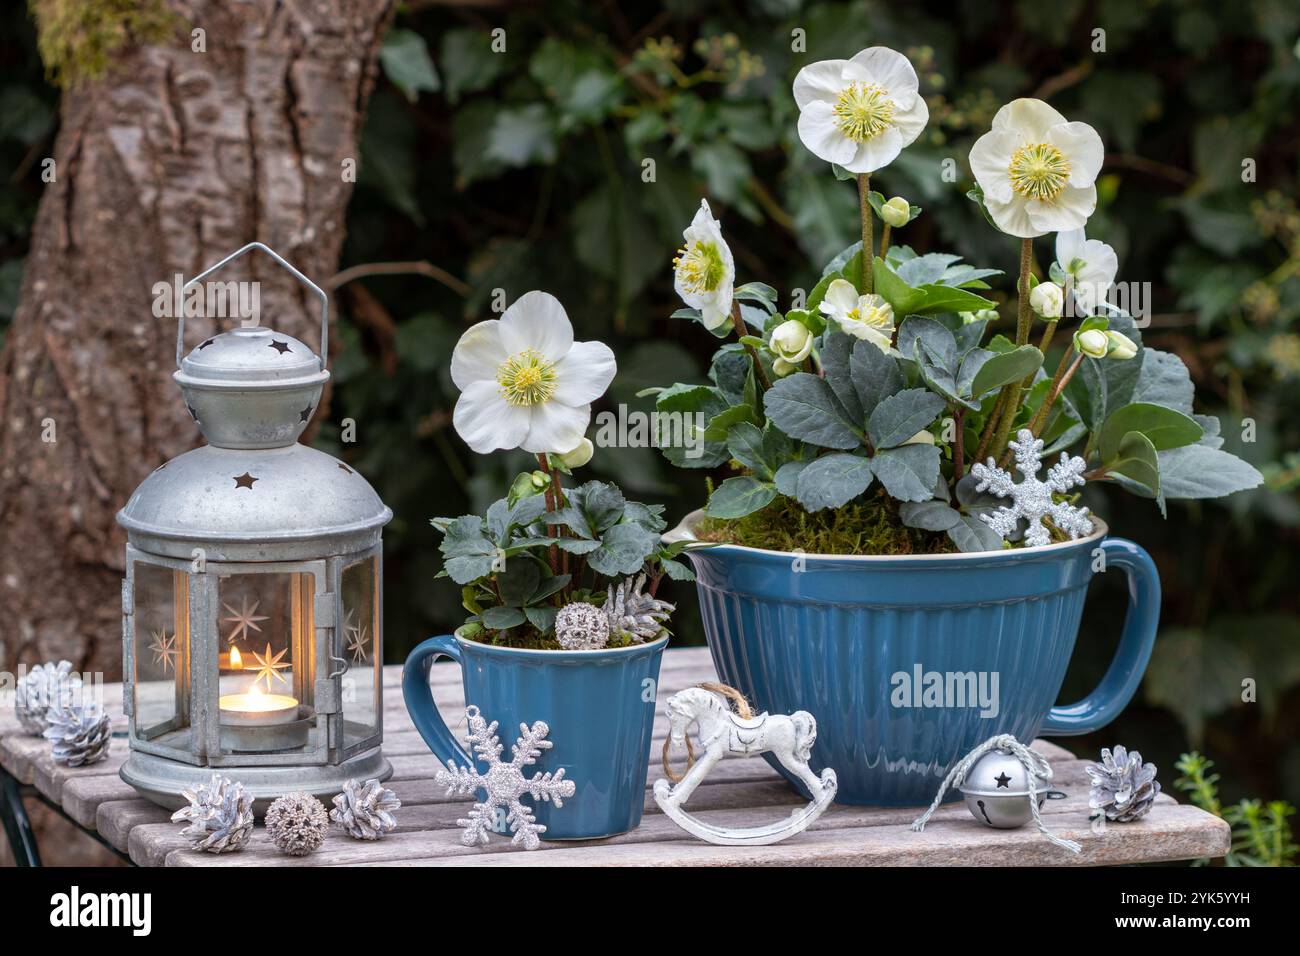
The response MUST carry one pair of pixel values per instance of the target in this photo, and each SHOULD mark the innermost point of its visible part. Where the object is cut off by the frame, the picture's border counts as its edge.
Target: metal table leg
(17, 827)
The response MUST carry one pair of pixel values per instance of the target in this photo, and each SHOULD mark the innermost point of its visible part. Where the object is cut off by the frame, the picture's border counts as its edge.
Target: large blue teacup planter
(599, 705)
(908, 662)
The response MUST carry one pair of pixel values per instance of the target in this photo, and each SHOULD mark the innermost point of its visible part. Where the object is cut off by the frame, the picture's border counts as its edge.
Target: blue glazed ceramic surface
(832, 635)
(599, 706)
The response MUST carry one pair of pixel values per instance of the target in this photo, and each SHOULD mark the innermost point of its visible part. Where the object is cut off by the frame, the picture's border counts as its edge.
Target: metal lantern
(251, 608)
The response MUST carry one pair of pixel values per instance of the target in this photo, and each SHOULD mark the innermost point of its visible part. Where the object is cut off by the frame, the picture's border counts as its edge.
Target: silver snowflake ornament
(504, 783)
(1031, 499)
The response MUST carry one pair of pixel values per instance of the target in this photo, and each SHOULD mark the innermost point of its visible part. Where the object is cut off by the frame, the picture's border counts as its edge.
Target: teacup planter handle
(419, 699)
(1124, 675)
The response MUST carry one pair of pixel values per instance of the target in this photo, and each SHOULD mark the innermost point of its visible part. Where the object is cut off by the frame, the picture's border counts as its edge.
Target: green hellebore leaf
(503, 618)
(899, 417)
(1165, 427)
(737, 497)
(932, 515)
(803, 406)
(1005, 368)
(1135, 457)
(908, 472)
(832, 481)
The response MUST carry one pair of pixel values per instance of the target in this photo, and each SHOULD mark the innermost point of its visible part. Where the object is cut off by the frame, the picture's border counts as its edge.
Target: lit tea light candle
(233, 661)
(257, 709)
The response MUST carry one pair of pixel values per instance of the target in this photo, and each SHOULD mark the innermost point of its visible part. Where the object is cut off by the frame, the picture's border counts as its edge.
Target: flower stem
(552, 504)
(867, 281)
(884, 241)
(741, 332)
(1064, 372)
(1013, 391)
(958, 452)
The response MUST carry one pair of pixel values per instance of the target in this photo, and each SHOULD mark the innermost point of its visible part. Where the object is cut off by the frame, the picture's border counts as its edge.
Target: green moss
(79, 39)
(869, 527)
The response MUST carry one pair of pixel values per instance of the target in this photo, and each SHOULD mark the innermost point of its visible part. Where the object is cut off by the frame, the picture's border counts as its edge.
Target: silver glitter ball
(997, 791)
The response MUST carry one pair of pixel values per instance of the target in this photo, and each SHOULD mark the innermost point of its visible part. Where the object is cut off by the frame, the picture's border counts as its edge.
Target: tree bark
(164, 165)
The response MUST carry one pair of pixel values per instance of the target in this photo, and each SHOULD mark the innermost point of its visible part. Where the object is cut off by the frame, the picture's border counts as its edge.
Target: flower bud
(1121, 346)
(1047, 300)
(897, 212)
(791, 342)
(539, 479)
(579, 455)
(923, 437)
(1093, 342)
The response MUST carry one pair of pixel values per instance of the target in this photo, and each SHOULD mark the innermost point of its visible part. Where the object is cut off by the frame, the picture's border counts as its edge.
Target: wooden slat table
(739, 791)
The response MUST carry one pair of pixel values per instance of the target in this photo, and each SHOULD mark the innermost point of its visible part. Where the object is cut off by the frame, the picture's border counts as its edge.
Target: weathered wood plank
(739, 792)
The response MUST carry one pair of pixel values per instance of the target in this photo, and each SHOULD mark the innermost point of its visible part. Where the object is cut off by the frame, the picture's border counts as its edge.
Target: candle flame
(236, 661)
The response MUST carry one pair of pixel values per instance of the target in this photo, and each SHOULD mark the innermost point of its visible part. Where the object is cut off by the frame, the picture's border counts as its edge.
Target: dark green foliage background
(523, 170)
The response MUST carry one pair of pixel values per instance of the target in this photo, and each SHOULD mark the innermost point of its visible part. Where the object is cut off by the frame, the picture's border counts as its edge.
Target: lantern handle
(324, 299)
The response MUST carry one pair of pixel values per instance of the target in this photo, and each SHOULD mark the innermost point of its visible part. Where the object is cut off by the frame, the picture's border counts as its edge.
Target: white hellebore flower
(1093, 343)
(580, 455)
(896, 212)
(867, 317)
(1037, 169)
(704, 272)
(860, 113)
(1121, 346)
(524, 383)
(791, 343)
(1091, 266)
(1047, 300)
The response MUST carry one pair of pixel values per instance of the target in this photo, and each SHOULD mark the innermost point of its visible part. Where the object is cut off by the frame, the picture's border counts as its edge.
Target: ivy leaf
(468, 63)
(623, 550)
(522, 135)
(899, 417)
(405, 60)
(909, 471)
(832, 481)
(737, 497)
(804, 407)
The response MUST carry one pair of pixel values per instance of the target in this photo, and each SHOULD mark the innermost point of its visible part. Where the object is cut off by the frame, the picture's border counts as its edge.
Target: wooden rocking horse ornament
(723, 732)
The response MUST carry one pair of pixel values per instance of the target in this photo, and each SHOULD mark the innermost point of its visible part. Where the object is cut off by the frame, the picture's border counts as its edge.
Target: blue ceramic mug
(599, 705)
(858, 642)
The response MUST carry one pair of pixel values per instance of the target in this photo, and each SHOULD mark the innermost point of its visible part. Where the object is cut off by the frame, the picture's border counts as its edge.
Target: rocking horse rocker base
(722, 733)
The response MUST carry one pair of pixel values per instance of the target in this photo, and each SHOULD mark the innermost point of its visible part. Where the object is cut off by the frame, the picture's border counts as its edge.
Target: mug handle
(419, 699)
(1125, 672)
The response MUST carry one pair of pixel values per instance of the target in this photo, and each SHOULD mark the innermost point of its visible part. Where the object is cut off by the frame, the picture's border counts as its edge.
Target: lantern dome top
(250, 358)
(278, 504)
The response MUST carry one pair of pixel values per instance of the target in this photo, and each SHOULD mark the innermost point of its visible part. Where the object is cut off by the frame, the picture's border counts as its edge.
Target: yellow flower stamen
(526, 379)
(700, 267)
(1039, 171)
(863, 111)
(878, 315)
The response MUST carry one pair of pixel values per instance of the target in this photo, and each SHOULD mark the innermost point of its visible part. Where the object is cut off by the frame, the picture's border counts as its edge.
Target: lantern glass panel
(161, 678)
(361, 688)
(266, 658)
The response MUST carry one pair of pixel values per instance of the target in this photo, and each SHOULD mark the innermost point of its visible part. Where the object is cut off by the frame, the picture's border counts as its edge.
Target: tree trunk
(163, 166)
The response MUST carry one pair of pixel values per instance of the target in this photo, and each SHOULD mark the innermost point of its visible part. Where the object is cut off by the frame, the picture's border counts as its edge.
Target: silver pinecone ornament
(365, 811)
(1123, 787)
(41, 688)
(220, 816)
(297, 823)
(79, 734)
(634, 615)
(581, 627)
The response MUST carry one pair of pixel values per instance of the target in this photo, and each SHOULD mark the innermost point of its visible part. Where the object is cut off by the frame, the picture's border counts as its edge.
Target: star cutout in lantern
(358, 639)
(1003, 781)
(269, 666)
(245, 619)
(164, 650)
(244, 481)
(305, 414)
(279, 346)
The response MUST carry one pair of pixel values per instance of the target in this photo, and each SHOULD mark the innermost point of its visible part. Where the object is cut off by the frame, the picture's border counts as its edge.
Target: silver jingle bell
(997, 791)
